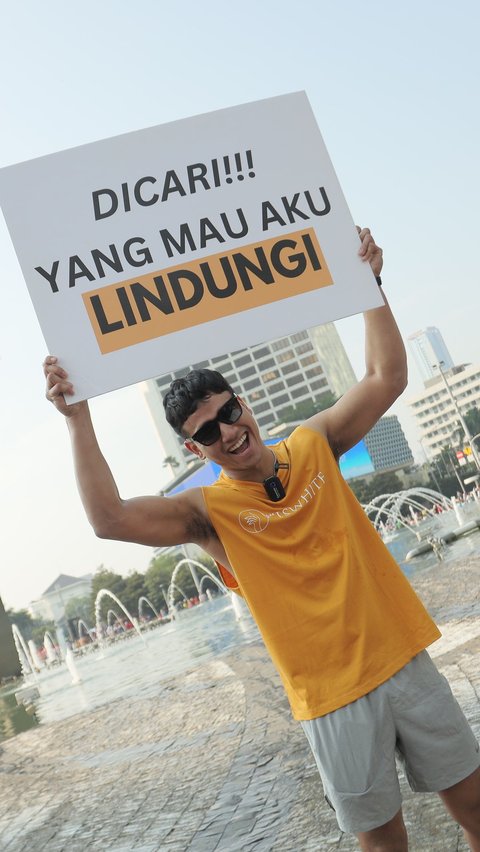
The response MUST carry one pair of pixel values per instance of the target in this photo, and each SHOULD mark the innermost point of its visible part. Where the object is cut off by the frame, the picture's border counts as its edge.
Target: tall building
(429, 350)
(387, 446)
(270, 376)
(434, 411)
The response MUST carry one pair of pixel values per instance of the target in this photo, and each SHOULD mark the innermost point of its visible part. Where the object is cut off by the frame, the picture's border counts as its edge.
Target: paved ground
(215, 763)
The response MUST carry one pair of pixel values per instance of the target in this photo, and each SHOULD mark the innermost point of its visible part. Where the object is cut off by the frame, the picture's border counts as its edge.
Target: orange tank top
(335, 611)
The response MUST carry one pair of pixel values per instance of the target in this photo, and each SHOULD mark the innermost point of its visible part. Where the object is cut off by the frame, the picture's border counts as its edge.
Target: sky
(394, 88)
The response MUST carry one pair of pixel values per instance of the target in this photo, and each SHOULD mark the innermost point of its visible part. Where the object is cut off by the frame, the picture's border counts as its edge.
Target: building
(429, 350)
(51, 605)
(270, 376)
(387, 446)
(383, 448)
(435, 413)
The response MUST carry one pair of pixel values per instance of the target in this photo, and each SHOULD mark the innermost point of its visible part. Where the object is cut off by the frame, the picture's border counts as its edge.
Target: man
(343, 626)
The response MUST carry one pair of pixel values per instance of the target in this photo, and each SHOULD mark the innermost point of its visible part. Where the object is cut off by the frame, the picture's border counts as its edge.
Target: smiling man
(340, 621)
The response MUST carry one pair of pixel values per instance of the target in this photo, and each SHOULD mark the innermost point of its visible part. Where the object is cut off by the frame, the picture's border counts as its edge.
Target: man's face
(238, 447)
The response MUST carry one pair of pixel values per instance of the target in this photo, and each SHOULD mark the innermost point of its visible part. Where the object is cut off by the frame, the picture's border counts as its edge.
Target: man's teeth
(239, 443)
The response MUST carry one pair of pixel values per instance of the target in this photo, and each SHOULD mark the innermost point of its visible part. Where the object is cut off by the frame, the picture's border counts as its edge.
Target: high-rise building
(435, 413)
(429, 350)
(271, 376)
(387, 446)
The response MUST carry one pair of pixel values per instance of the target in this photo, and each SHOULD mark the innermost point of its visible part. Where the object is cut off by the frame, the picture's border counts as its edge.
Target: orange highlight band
(205, 289)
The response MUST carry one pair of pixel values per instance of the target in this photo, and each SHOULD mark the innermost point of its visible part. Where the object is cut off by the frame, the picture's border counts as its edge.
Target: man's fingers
(57, 388)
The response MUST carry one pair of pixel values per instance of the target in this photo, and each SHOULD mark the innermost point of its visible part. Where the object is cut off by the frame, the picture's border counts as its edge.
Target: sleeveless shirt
(335, 611)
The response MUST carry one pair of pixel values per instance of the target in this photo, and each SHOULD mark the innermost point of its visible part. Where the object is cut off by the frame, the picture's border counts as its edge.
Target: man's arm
(155, 521)
(346, 422)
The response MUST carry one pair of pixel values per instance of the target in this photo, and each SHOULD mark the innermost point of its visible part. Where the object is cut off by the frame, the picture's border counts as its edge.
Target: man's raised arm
(155, 521)
(346, 422)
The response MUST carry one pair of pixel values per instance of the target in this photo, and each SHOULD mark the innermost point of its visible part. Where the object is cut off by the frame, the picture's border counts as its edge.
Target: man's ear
(193, 448)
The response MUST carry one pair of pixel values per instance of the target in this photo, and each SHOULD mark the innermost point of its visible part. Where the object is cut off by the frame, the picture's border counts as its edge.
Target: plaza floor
(215, 763)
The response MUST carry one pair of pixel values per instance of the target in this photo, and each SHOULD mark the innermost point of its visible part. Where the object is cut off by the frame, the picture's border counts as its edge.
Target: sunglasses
(210, 431)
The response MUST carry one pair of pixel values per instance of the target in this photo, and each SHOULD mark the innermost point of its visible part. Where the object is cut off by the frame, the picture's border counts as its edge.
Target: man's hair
(183, 395)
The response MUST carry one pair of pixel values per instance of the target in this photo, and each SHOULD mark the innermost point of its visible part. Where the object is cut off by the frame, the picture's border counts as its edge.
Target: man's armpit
(199, 528)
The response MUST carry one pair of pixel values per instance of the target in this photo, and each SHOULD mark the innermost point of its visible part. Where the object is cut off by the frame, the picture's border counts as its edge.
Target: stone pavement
(214, 762)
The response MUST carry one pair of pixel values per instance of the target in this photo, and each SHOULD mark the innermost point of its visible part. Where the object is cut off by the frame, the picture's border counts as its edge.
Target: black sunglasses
(210, 431)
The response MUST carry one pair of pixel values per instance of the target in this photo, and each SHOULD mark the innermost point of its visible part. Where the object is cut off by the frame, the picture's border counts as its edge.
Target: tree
(105, 579)
(386, 482)
(472, 419)
(79, 607)
(170, 460)
(158, 575)
(306, 408)
(30, 628)
(135, 588)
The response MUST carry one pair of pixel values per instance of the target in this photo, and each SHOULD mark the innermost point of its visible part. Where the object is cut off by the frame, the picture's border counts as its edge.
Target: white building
(271, 376)
(434, 411)
(51, 605)
(429, 350)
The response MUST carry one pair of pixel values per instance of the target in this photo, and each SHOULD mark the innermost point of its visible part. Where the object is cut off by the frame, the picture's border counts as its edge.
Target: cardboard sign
(156, 249)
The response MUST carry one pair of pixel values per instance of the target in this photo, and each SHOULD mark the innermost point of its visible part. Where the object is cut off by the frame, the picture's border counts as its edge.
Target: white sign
(160, 248)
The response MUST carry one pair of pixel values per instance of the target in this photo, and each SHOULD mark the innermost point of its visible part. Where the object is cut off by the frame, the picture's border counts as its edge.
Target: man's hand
(370, 251)
(58, 386)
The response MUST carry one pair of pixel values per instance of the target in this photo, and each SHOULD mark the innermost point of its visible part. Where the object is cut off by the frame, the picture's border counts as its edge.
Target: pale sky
(394, 88)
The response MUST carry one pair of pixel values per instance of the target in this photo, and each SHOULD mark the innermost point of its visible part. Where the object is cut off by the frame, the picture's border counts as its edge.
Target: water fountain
(424, 500)
(142, 599)
(236, 602)
(23, 651)
(428, 512)
(113, 617)
(51, 648)
(88, 631)
(104, 593)
(85, 681)
(71, 666)
(34, 655)
(191, 563)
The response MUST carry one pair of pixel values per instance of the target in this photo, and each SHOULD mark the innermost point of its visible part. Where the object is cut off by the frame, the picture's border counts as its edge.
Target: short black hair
(183, 395)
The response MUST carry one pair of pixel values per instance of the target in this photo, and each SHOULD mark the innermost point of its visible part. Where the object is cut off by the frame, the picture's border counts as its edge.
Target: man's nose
(227, 430)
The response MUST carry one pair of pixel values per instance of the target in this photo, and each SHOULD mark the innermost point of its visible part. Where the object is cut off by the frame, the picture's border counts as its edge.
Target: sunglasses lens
(230, 412)
(210, 431)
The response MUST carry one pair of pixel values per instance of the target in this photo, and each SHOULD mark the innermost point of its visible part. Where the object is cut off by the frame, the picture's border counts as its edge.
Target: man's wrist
(378, 280)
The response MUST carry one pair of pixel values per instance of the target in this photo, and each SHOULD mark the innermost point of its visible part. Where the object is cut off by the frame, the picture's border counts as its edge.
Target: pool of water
(465, 546)
(140, 665)
(132, 666)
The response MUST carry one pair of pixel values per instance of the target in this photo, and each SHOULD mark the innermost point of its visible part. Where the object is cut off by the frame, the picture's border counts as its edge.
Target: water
(465, 546)
(139, 666)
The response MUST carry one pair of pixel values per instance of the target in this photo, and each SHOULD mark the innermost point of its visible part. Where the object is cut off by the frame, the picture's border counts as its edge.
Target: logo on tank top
(254, 521)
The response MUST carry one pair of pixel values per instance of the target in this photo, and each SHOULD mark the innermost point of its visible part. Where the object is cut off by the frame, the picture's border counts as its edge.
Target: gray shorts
(413, 716)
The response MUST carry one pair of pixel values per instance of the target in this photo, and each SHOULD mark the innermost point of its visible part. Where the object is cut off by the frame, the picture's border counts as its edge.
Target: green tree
(472, 419)
(306, 408)
(79, 607)
(39, 630)
(135, 587)
(170, 460)
(105, 579)
(386, 482)
(158, 575)
(30, 628)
